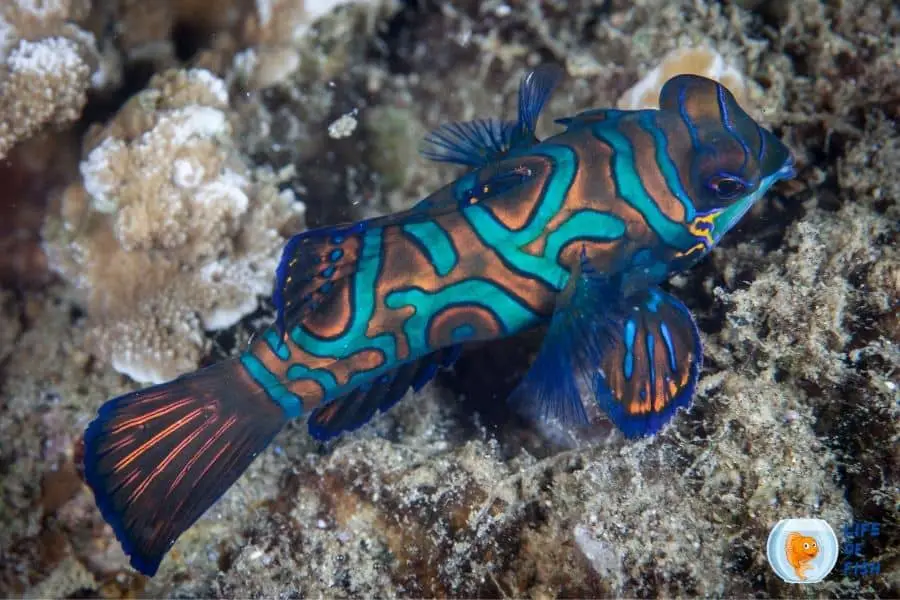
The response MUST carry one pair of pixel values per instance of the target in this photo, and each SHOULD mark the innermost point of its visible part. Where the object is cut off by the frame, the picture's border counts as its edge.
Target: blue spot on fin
(480, 142)
(311, 264)
(357, 408)
(651, 359)
(314, 263)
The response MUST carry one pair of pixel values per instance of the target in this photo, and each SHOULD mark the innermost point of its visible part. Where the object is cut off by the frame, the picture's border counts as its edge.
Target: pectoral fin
(569, 353)
(639, 357)
(650, 366)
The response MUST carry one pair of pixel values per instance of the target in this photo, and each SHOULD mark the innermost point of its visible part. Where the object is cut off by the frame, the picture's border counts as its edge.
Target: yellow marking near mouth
(701, 228)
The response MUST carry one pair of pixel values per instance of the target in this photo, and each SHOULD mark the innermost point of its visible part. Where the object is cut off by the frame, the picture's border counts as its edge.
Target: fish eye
(806, 546)
(726, 187)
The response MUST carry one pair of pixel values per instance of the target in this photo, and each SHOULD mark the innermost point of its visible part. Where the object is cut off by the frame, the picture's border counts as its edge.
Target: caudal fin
(157, 458)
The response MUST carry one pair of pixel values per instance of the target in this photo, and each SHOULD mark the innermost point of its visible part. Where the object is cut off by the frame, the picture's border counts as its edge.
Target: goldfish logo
(802, 550)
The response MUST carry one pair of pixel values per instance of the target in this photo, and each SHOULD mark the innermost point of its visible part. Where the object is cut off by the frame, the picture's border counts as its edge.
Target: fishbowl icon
(802, 550)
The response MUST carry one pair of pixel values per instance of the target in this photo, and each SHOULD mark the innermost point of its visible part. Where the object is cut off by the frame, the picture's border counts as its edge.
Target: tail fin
(157, 458)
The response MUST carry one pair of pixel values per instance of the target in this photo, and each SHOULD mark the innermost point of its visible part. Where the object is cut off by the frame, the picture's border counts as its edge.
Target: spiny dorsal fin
(472, 143)
(482, 141)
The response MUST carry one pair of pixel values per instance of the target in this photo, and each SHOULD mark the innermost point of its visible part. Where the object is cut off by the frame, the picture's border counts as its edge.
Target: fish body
(800, 550)
(575, 231)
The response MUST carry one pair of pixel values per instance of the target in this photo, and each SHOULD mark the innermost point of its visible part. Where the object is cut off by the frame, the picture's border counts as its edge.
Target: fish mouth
(788, 170)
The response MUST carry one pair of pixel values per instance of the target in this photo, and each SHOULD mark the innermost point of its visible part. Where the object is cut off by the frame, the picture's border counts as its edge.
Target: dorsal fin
(535, 90)
(482, 141)
(472, 143)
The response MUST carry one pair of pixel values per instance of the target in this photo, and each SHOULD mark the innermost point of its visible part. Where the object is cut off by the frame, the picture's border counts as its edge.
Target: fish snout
(788, 170)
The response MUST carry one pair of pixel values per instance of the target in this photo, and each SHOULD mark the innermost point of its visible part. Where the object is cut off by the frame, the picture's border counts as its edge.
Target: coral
(170, 232)
(702, 60)
(46, 65)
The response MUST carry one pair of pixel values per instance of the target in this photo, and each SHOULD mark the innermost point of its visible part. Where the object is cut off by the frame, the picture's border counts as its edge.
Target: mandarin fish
(574, 232)
(800, 550)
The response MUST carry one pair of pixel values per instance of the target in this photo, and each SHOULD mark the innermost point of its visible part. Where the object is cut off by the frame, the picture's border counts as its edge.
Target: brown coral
(170, 231)
(46, 64)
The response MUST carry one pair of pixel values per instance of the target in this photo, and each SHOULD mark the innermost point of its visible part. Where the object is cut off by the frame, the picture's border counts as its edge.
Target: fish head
(803, 546)
(727, 161)
(809, 547)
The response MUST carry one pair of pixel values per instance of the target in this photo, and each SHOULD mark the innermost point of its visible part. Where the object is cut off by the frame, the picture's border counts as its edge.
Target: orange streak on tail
(125, 441)
(155, 414)
(176, 451)
(186, 469)
(215, 458)
(137, 452)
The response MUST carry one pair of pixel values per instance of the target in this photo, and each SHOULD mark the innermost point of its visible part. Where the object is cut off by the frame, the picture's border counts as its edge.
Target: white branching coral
(170, 232)
(46, 65)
